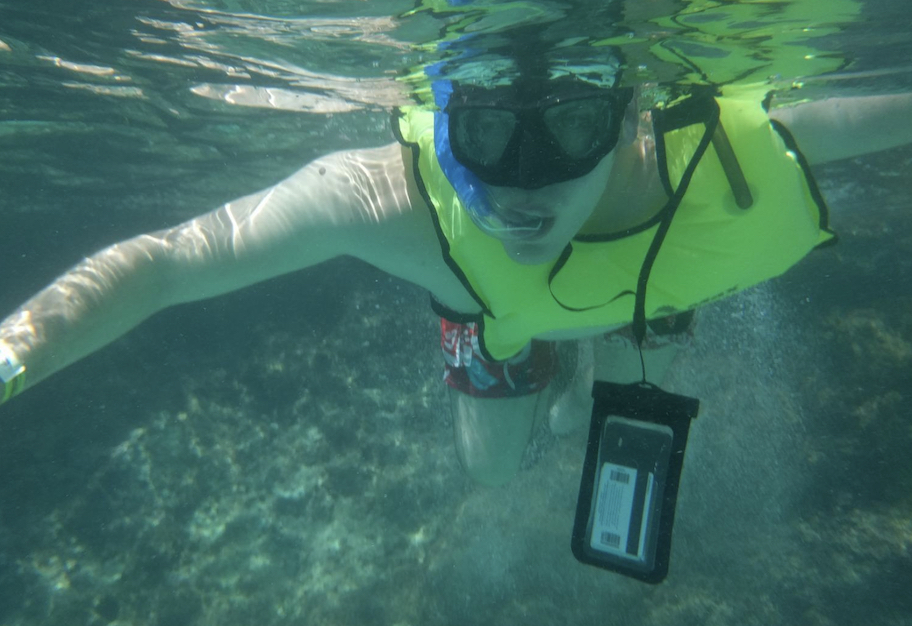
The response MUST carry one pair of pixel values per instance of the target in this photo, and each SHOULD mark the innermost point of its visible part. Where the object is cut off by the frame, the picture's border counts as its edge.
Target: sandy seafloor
(272, 458)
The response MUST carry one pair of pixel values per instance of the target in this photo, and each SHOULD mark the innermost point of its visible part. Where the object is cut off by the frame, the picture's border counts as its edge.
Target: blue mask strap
(468, 186)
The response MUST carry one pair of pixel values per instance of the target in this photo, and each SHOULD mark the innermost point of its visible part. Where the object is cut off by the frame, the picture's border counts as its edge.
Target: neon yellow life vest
(699, 248)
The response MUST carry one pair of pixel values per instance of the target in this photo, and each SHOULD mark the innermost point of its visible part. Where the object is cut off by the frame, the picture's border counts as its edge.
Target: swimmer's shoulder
(377, 214)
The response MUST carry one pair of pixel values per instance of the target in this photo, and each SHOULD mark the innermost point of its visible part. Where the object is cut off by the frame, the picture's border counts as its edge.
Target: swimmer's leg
(491, 434)
(572, 404)
(496, 404)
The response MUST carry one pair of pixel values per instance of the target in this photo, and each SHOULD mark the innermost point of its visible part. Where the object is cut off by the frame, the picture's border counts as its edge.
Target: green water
(284, 455)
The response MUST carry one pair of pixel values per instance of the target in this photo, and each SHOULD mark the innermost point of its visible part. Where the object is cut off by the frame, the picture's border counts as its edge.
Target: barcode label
(620, 477)
(613, 506)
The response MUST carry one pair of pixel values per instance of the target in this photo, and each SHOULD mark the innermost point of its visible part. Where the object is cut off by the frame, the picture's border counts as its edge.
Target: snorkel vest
(742, 208)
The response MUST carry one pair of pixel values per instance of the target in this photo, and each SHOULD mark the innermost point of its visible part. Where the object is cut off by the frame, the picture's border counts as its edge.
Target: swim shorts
(530, 371)
(466, 370)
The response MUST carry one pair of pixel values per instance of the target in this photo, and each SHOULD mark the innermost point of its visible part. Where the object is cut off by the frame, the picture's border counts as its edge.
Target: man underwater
(549, 208)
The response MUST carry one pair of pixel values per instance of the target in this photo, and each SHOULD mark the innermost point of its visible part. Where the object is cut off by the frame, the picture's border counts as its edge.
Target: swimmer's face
(546, 219)
(540, 152)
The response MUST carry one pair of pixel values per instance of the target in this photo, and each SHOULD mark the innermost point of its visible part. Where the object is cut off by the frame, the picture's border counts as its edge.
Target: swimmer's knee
(491, 435)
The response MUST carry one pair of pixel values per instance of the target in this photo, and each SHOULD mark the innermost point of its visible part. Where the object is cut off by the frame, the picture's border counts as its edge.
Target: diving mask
(533, 134)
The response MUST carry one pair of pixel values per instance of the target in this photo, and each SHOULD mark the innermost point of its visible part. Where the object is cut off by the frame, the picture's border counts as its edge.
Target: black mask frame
(533, 156)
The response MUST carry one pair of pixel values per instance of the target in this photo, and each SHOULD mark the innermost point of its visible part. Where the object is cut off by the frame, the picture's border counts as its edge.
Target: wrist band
(12, 374)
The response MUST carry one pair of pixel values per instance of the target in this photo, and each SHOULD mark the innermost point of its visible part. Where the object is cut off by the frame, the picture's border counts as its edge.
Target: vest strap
(665, 121)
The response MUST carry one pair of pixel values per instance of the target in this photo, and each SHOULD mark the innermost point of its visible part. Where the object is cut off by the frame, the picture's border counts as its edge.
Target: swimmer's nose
(530, 160)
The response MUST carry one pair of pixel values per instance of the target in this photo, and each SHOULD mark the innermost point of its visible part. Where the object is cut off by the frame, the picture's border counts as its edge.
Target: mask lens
(481, 135)
(580, 126)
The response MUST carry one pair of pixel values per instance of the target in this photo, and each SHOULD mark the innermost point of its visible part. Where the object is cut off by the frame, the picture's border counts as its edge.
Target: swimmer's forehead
(526, 90)
(493, 73)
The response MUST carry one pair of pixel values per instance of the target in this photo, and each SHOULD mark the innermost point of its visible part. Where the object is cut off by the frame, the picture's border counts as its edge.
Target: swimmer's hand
(12, 375)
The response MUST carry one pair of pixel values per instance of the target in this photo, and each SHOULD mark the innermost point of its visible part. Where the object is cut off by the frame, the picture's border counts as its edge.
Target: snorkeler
(542, 210)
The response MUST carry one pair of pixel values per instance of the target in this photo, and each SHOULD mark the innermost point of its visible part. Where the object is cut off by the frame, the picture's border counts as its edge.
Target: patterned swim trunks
(530, 371)
(466, 370)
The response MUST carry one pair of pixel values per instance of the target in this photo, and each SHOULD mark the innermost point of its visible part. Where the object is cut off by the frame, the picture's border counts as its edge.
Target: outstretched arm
(326, 209)
(839, 128)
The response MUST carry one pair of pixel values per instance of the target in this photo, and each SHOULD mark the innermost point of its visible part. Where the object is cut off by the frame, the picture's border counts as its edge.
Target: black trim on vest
(481, 342)
(789, 140)
(451, 315)
(435, 219)
(465, 318)
(395, 116)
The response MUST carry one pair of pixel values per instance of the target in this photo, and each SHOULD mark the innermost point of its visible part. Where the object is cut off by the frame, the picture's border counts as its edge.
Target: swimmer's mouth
(523, 228)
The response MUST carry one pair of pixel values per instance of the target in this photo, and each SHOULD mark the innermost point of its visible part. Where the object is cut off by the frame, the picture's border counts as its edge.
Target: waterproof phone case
(630, 479)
